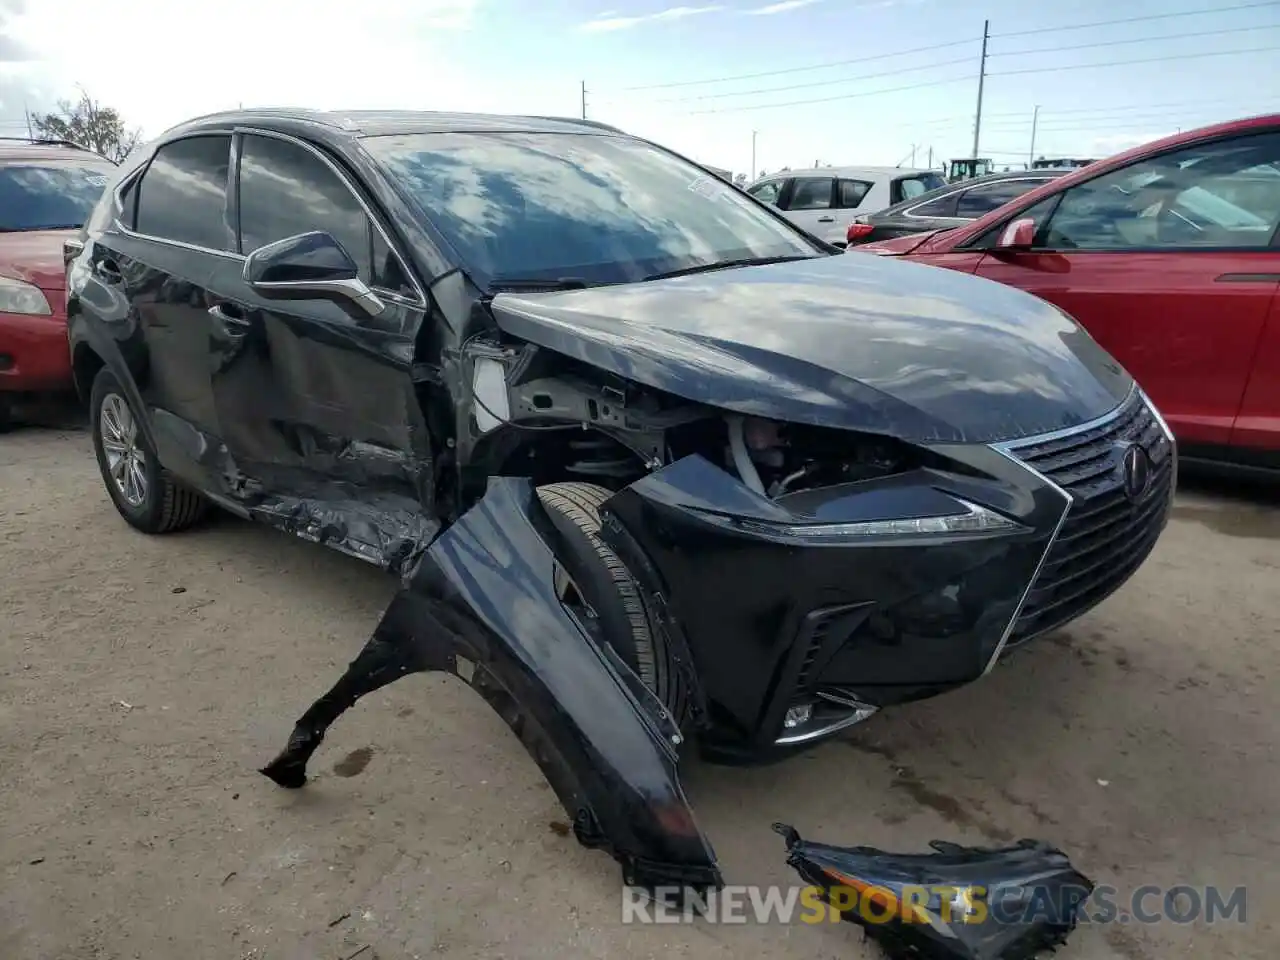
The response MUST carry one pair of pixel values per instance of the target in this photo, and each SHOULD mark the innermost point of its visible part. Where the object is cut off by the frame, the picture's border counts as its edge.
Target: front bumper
(777, 629)
(34, 355)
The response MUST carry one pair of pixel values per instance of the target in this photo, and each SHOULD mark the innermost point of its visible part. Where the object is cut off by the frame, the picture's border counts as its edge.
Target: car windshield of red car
(40, 195)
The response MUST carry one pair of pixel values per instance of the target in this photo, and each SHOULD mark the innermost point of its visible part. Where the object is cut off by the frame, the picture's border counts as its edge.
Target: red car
(1169, 255)
(46, 192)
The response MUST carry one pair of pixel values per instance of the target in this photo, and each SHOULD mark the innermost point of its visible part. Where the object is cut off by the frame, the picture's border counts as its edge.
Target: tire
(160, 504)
(615, 600)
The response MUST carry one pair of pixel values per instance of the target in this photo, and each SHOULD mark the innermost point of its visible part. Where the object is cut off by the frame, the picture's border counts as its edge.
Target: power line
(1106, 117)
(1135, 106)
(847, 96)
(1006, 118)
(1143, 19)
(1125, 63)
(818, 83)
(1116, 43)
(816, 66)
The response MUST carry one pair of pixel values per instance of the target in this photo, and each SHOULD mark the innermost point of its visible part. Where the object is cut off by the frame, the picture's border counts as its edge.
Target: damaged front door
(315, 400)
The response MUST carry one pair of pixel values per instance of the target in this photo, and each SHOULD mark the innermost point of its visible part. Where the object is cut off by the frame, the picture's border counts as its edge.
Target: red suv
(47, 190)
(1169, 255)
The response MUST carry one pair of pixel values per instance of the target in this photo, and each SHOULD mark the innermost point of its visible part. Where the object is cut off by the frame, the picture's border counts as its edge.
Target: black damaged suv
(651, 464)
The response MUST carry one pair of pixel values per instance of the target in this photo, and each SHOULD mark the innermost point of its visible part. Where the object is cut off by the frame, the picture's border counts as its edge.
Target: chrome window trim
(420, 302)
(1008, 449)
(915, 216)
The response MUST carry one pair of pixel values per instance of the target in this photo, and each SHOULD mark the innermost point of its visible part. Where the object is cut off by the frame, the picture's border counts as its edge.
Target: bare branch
(89, 124)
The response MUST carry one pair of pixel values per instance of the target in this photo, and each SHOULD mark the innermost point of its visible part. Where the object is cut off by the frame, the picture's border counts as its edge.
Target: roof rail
(581, 121)
(47, 142)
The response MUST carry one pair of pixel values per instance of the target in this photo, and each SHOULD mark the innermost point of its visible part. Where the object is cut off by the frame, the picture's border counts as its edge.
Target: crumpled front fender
(481, 605)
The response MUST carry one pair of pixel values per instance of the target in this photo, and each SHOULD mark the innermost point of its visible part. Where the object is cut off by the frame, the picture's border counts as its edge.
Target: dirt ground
(143, 680)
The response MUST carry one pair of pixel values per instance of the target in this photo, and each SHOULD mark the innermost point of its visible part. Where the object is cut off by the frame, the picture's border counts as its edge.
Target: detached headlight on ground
(17, 296)
(976, 521)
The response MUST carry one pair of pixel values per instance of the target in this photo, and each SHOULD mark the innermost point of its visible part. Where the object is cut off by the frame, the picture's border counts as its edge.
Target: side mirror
(1017, 235)
(310, 266)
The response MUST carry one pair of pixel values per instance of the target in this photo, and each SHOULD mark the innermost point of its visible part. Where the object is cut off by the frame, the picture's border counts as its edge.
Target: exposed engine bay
(603, 428)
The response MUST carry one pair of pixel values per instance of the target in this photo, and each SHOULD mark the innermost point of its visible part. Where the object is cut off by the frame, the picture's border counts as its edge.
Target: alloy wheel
(126, 461)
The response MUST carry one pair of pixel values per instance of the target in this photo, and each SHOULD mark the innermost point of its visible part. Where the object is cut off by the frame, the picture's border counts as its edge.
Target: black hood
(856, 342)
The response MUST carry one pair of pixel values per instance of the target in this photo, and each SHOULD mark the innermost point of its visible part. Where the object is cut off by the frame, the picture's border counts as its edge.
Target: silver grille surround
(1009, 449)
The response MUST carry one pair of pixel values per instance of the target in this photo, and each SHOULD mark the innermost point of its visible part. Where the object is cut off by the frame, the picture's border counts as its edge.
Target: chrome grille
(1105, 536)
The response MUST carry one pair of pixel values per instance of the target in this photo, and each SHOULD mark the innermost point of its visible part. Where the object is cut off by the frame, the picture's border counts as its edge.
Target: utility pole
(982, 76)
(1031, 154)
(584, 99)
(751, 175)
(931, 158)
(913, 156)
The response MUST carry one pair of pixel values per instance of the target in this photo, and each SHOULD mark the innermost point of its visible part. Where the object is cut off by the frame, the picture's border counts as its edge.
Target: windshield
(601, 209)
(48, 195)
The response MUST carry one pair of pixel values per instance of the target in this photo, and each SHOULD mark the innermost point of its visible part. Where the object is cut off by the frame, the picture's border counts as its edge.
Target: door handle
(107, 271)
(826, 219)
(229, 315)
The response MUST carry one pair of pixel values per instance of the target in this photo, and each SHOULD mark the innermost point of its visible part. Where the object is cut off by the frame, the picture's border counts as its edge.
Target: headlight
(19, 297)
(976, 522)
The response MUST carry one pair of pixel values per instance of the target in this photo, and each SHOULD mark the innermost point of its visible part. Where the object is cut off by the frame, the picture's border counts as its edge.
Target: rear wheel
(143, 492)
(594, 582)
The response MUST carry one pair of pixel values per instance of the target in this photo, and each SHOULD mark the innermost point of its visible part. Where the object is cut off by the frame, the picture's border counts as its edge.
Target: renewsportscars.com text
(1149, 904)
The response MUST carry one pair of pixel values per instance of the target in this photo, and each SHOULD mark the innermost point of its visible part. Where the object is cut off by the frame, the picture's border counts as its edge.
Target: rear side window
(286, 190)
(810, 193)
(982, 200)
(850, 193)
(182, 194)
(944, 206)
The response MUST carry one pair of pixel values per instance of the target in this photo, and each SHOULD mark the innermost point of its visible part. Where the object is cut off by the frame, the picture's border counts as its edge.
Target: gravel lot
(143, 680)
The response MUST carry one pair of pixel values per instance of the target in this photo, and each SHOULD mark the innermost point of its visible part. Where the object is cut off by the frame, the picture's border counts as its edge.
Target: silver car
(823, 201)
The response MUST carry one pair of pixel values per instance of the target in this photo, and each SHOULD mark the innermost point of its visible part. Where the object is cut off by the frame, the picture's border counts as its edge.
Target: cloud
(781, 7)
(269, 71)
(608, 22)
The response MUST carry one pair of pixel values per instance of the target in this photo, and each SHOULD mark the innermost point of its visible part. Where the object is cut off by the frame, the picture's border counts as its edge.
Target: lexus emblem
(1136, 470)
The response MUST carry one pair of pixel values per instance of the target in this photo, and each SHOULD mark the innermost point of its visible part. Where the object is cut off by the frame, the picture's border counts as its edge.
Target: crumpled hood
(855, 342)
(34, 256)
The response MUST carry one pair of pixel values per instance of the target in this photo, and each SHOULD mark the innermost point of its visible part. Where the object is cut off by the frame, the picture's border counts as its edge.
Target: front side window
(1224, 194)
(183, 193)
(286, 190)
(767, 192)
(810, 193)
(49, 194)
(605, 209)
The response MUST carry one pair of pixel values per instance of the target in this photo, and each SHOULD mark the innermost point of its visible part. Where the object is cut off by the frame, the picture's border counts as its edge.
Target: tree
(740, 179)
(89, 124)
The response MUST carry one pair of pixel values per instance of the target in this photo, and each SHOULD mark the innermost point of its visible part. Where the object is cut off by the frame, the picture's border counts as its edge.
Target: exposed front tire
(598, 586)
(143, 492)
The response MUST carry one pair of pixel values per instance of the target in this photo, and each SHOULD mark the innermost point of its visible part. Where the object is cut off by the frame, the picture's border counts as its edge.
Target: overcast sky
(819, 80)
